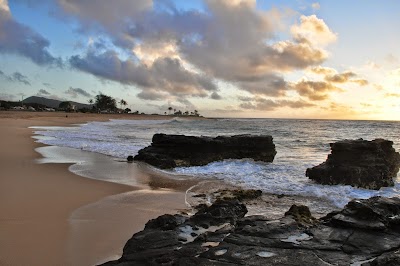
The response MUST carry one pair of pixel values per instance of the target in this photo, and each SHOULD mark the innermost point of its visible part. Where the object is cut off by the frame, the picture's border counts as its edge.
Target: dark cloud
(346, 77)
(341, 78)
(204, 45)
(314, 90)
(243, 52)
(165, 75)
(75, 92)
(215, 96)
(236, 50)
(152, 95)
(43, 92)
(268, 85)
(16, 77)
(16, 38)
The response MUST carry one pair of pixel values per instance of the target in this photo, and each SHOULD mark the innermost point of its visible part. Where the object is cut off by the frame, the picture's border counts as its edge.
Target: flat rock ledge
(359, 163)
(170, 151)
(365, 232)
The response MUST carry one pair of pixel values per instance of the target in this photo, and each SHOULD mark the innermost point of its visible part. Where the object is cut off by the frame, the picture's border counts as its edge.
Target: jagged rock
(239, 194)
(376, 213)
(387, 259)
(301, 214)
(340, 238)
(169, 151)
(360, 163)
(165, 222)
(221, 211)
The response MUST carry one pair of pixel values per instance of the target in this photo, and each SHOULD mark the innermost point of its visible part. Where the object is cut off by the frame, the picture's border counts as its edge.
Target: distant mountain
(52, 103)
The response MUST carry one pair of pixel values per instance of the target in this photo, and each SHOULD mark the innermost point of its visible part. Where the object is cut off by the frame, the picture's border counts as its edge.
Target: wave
(300, 144)
(278, 178)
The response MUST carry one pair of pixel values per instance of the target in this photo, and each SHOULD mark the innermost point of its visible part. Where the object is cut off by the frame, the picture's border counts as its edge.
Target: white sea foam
(300, 144)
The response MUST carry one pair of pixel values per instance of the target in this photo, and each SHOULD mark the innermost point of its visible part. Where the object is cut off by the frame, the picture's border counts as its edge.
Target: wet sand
(50, 216)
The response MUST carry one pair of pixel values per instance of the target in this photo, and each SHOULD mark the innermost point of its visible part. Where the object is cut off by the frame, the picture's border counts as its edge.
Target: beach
(50, 216)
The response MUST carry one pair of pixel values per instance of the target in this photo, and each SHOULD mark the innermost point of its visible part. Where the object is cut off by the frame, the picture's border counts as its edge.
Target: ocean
(300, 144)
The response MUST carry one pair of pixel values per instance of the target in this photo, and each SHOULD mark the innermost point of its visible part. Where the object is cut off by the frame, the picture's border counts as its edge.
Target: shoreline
(45, 207)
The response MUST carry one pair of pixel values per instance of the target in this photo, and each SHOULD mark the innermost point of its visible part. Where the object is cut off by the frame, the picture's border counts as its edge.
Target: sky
(225, 58)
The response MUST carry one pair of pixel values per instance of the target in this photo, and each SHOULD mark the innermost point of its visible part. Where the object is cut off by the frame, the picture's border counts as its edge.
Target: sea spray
(300, 144)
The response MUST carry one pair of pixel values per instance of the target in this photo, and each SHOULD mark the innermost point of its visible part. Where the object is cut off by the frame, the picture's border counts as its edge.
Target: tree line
(100, 104)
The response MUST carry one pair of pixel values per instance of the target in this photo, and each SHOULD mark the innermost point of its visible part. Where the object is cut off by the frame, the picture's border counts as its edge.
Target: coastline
(51, 216)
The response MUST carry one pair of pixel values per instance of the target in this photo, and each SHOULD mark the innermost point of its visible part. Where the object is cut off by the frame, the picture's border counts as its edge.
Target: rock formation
(365, 232)
(359, 163)
(169, 151)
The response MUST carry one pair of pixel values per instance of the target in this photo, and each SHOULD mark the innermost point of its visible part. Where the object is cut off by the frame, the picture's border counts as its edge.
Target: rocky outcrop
(365, 232)
(169, 151)
(359, 163)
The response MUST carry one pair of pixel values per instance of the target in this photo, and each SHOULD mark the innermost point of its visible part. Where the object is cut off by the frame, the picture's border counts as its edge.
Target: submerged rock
(239, 194)
(365, 232)
(169, 151)
(359, 163)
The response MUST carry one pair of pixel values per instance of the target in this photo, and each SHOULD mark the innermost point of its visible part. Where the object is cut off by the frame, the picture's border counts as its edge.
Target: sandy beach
(50, 216)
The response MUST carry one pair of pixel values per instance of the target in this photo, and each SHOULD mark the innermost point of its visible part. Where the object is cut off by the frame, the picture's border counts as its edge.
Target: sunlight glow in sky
(226, 58)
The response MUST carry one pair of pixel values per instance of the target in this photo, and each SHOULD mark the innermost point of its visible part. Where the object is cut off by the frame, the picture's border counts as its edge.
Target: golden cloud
(320, 70)
(314, 30)
(314, 90)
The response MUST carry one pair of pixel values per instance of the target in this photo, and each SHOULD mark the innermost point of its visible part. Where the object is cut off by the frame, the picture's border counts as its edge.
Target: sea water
(300, 144)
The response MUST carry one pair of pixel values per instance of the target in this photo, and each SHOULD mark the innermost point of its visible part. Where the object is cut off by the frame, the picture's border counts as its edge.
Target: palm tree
(90, 103)
(123, 102)
(169, 109)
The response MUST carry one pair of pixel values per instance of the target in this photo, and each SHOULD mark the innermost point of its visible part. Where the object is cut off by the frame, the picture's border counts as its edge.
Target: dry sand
(50, 216)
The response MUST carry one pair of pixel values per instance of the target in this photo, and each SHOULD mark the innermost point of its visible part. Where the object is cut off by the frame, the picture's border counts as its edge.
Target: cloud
(48, 95)
(237, 50)
(4, 5)
(395, 95)
(6, 96)
(361, 82)
(315, 6)
(346, 77)
(164, 75)
(341, 78)
(391, 59)
(16, 38)
(340, 110)
(322, 70)
(152, 95)
(215, 96)
(378, 87)
(43, 92)
(171, 53)
(314, 90)
(314, 30)
(108, 14)
(210, 44)
(16, 77)
(372, 65)
(75, 92)
(262, 104)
